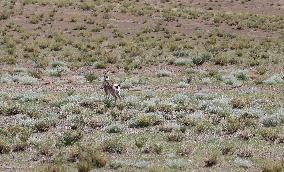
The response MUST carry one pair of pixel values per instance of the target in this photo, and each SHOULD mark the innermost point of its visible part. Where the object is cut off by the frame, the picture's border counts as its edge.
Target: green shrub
(88, 5)
(114, 129)
(181, 54)
(140, 142)
(100, 65)
(44, 125)
(241, 76)
(198, 60)
(71, 137)
(56, 64)
(90, 77)
(146, 120)
(113, 146)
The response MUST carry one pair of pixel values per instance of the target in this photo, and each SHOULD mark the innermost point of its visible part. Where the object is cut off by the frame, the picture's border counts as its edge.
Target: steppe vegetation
(202, 85)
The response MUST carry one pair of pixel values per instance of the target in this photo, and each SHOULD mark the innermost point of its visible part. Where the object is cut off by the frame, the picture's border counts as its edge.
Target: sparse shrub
(243, 162)
(203, 126)
(87, 5)
(185, 150)
(181, 54)
(182, 85)
(190, 71)
(98, 159)
(4, 147)
(198, 60)
(91, 77)
(273, 167)
(58, 68)
(227, 149)
(274, 79)
(271, 121)
(147, 120)
(166, 106)
(179, 164)
(246, 134)
(44, 125)
(220, 59)
(261, 70)
(140, 142)
(253, 63)
(10, 60)
(169, 127)
(45, 147)
(192, 119)
(40, 62)
(113, 146)
(164, 73)
(76, 121)
(269, 134)
(238, 102)
(4, 14)
(25, 79)
(150, 105)
(231, 80)
(211, 160)
(206, 56)
(54, 168)
(114, 129)
(241, 76)
(100, 65)
(20, 146)
(155, 148)
(115, 113)
(232, 126)
(90, 157)
(10, 108)
(182, 61)
(245, 153)
(84, 166)
(56, 64)
(175, 136)
(70, 137)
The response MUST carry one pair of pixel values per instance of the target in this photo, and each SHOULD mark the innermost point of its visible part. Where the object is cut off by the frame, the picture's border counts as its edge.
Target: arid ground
(202, 85)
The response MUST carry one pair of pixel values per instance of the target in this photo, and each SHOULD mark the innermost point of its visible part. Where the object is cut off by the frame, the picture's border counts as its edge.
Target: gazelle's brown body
(110, 88)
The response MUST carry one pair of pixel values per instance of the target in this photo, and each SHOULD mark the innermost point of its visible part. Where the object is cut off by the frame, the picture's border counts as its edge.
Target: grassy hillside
(202, 85)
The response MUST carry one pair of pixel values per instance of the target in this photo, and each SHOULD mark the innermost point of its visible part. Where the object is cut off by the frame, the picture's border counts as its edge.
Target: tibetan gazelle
(110, 88)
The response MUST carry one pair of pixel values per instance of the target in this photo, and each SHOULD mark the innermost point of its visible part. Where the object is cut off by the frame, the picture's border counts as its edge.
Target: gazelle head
(106, 77)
